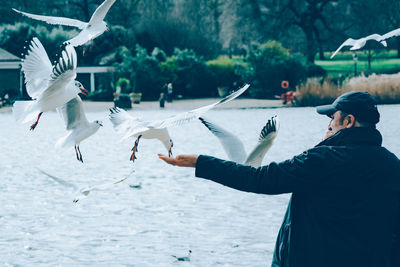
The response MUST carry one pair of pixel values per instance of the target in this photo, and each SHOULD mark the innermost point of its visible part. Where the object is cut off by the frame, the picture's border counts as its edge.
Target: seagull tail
(24, 111)
(65, 141)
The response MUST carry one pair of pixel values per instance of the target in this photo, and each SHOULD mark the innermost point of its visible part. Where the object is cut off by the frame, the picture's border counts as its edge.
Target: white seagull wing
(348, 42)
(124, 123)
(101, 11)
(55, 20)
(66, 64)
(375, 36)
(59, 180)
(390, 34)
(73, 114)
(230, 143)
(37, 69)
(265, 141)
(64, 71)
(195, 113)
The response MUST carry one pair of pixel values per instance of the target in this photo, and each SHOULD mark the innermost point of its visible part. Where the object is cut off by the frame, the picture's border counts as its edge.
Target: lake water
(173, 212)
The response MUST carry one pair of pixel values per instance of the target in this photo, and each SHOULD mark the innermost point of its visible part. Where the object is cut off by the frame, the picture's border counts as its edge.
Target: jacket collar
(354, 136)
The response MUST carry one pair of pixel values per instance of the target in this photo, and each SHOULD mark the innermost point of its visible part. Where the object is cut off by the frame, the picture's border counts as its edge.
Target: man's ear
(350, 121)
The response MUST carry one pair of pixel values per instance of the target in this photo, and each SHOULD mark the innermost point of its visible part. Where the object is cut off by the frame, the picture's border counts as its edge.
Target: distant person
(164, 89)
(162, 100)
(169, 92)
(287, 95)
(344, 208)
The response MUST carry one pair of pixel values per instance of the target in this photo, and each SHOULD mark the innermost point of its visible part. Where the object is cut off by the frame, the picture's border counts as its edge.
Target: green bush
(159, 54)
(168, 70)
(146, 74)
(143, 70)
(124, 84)
(271, 63)
(192, 75)
(16, 38)
(222, 72)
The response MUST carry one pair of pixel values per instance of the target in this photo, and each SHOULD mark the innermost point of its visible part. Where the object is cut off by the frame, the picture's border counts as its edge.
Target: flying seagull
(49, 86)
(77, 125)
(89, 30)
(84, 192)
(234, 147)
(130, 126)
(360, 43)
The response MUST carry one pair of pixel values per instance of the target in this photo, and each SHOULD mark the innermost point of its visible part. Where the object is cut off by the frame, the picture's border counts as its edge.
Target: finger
(165, 158)
(168, 160)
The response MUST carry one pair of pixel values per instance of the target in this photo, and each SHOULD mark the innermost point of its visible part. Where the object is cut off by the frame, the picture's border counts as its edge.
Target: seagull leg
(78, 154)
(134, 149)
(33, 126)
(91, 45)
(83, 50)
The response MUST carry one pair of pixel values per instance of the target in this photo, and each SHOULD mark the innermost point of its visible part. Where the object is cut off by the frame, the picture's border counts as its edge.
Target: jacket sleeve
(296, 174)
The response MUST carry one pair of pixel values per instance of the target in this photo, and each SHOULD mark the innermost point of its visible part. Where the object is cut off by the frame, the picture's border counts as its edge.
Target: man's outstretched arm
(296, 174)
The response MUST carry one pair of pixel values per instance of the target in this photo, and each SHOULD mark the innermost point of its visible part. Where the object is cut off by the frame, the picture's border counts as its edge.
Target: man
(345, 191)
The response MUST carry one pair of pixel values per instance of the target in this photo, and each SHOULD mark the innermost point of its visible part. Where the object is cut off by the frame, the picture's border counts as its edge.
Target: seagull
(234, 147)
(78, 127)
(84, 192)
(131, 126)
(359, 43)
(49, 86)
(186, 258)
(89, 30)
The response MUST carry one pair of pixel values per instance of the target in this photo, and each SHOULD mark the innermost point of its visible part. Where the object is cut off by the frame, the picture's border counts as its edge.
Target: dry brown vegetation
(385, 88)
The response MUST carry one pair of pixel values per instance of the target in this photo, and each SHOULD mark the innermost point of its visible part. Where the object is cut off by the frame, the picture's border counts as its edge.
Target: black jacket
(344, 203)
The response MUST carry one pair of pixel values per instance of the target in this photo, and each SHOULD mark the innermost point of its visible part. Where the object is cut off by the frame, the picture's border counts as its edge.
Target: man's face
(335, 125)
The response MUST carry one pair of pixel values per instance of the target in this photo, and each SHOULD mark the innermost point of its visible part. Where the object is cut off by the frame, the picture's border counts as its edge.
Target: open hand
(181, 160)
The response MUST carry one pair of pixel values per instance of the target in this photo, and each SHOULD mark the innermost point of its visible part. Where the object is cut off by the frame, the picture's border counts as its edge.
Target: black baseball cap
(360, 104)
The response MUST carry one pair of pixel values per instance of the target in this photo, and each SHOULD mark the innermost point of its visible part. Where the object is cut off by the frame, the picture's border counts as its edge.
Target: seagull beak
(108, 30)
(84, 91)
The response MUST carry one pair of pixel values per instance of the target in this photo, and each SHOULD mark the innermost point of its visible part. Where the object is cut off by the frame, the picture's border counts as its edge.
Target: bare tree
(309, 16)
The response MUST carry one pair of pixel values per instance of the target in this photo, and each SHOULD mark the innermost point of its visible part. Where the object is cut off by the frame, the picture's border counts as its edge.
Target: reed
(384, 87)
(317, 92)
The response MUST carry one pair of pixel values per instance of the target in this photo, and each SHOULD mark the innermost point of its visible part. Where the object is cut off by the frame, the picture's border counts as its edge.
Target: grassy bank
(343, 63)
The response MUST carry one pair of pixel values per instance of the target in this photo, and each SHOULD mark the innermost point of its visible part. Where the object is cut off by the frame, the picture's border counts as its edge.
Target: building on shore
(11, 76)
